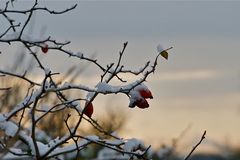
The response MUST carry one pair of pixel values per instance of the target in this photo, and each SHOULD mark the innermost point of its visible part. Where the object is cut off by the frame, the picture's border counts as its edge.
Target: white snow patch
(141, 87)
(67, 148)
(2, 118)
(10, 156)
(28, 139)
(164, 151)
(107, 153)
(78, 54)
(90, 95)
(47, 71)
(47, 85)
(92, 138)
(16, 150)
(134, 96)
(43, 148)
(9, 127)
(67, 85)
(79, 108)
(104, 87)
(77, 105)
(160, 48)
(114, 142)
(41, 135)
(133, 145)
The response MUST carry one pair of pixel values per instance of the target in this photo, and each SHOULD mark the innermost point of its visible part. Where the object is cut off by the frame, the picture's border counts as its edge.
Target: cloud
(186, 75)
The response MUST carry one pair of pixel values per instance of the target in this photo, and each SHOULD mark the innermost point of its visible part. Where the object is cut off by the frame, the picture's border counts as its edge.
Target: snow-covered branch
(27, 119)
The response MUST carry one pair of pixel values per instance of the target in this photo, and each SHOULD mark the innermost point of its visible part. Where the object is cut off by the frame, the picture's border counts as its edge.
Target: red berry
(142, 103)
(88, 109)
(44, 48)
(145, 93)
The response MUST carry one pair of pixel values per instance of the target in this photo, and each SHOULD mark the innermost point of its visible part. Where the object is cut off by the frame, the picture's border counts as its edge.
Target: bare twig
(19, 76)
(38, 9)
(195, 147)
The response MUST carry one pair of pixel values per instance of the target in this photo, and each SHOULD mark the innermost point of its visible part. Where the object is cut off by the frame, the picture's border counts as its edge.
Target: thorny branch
(31, 104)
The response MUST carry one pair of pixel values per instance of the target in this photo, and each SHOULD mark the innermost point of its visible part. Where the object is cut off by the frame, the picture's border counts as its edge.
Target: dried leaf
(164, 54)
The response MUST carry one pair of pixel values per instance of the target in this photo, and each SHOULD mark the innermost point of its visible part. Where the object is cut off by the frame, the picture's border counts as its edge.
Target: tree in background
(44, 120)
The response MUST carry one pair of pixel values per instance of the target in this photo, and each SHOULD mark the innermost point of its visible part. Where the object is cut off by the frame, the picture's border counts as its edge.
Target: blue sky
(150, 19)
(198, 85)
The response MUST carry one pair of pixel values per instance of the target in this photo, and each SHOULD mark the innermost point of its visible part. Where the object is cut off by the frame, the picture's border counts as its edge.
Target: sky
(197, 88)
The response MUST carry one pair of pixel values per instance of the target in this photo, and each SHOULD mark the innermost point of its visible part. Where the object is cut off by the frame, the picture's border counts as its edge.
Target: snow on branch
(51, 104)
